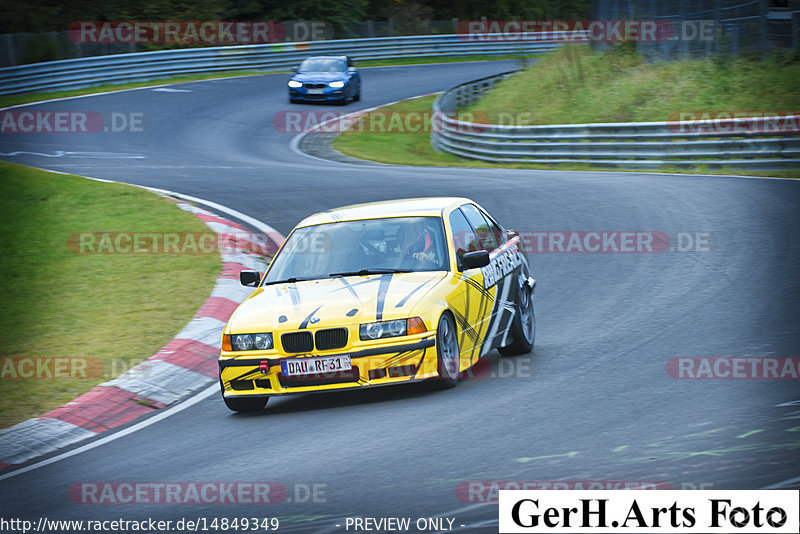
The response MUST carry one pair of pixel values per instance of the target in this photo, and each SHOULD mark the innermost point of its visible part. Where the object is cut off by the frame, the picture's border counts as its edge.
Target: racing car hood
(334, 301)
(319, 77)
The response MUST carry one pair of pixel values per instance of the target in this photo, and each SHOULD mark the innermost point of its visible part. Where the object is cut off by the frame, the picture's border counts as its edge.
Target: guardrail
(122, 68)
(638, 145)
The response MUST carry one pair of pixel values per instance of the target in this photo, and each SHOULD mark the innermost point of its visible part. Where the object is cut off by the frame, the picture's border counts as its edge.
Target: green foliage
(342, 14)
(576, 85)
(40, 48)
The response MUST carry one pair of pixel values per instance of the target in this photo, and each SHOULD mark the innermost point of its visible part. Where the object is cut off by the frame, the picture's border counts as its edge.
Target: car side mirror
(351, 70)
(294, 69)
(474, 260)
(249, 278)
(512, 234)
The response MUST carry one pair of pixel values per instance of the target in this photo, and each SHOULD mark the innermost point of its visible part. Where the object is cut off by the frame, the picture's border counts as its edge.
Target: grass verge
(116, 308)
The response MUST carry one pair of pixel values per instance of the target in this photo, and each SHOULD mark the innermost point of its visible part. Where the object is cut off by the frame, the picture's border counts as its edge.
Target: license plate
(316, 91)
(313, 366)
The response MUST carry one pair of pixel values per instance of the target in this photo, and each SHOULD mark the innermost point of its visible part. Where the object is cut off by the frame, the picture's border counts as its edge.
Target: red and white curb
(180, 368)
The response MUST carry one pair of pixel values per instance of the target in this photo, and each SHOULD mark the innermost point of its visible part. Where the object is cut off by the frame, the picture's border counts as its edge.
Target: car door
(471, 303)
(498, 277)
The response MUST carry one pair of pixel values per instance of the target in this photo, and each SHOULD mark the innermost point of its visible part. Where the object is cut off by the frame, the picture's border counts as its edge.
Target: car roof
(406, 207)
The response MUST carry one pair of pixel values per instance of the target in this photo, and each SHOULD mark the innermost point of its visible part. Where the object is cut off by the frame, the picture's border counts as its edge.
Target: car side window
(499, 234)
(486, 238)
(464, 239)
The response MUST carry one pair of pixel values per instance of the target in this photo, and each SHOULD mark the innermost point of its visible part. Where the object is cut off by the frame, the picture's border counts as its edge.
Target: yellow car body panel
(346, 302)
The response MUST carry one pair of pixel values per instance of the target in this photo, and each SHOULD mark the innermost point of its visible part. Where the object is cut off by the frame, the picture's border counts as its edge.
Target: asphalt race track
(593, 402)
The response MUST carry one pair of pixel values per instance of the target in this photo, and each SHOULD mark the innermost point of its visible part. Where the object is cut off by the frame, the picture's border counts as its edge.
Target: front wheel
(523, 326)
(447, 353)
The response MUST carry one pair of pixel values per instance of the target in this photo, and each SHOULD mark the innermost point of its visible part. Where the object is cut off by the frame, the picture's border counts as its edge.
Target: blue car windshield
(322, 65)
(400, 244)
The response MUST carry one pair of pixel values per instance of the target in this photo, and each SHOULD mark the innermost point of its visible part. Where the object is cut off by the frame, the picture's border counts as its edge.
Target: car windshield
(321, 65)
(401, 244)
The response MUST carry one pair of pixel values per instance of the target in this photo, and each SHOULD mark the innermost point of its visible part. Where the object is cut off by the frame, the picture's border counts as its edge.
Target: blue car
(325, 79)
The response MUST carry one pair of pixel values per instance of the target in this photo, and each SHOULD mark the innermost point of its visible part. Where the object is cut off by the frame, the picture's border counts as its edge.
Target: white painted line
(62, 153)
(166, 412)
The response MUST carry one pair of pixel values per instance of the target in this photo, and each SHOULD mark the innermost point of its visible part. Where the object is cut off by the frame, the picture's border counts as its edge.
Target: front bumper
(393, 363)
(328, 94)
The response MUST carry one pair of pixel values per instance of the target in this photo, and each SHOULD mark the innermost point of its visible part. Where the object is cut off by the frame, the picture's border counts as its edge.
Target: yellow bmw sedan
(377, 294)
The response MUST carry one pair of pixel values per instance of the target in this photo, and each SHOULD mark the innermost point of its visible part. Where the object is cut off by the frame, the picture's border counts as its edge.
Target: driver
(416, 243)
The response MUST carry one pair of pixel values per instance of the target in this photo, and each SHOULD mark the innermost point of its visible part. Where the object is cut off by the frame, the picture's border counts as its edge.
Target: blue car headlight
(337, 84)
(294, 84)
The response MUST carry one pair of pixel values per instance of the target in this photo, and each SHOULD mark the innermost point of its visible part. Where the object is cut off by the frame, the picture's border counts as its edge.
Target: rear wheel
(523, 326)
(447, 353)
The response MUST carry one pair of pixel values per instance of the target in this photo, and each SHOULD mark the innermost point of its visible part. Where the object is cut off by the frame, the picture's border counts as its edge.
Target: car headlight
(247, 342)
(398, 327)
(293, 84)
(338, 84)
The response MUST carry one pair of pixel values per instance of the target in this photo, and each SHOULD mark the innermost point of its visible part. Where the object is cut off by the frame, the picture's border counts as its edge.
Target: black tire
(357, 98)
(447, 352)
(523, 326)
